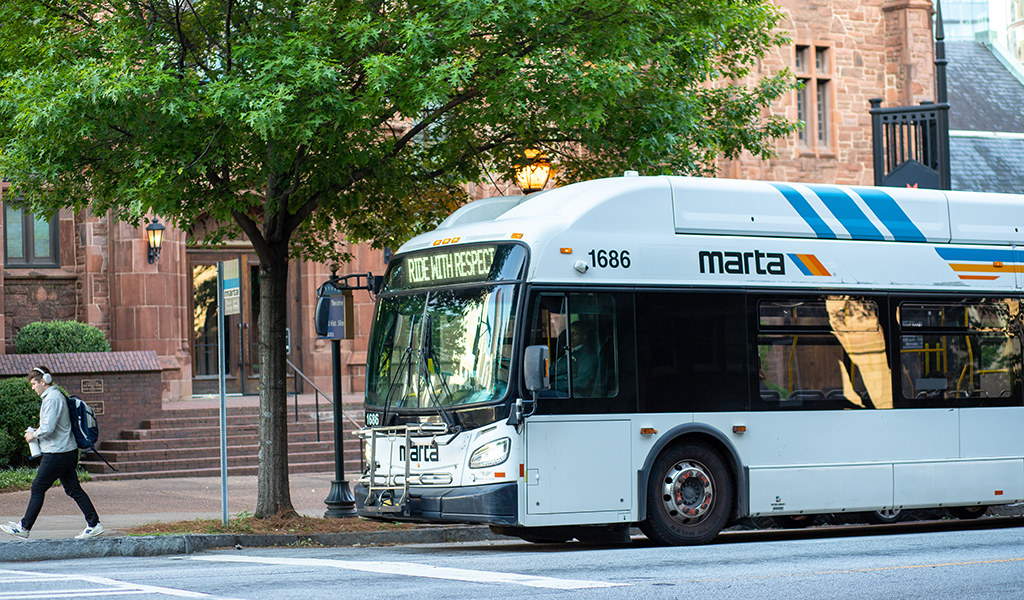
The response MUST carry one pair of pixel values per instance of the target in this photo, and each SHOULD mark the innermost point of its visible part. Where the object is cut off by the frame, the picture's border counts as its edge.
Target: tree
(302, 122)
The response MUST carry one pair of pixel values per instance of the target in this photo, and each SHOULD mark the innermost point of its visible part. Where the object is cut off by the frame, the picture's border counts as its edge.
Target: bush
(48, 337)
(19, 409)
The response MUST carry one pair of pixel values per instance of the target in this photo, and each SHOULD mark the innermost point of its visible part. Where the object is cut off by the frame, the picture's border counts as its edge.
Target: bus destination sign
(455, 266)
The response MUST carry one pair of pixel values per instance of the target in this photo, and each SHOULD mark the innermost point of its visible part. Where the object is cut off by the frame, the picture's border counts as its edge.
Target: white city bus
(680, 353)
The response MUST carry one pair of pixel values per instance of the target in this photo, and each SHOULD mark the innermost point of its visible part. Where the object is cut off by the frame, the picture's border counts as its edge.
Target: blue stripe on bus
(891, 215)
(803, 208)
(800, 264)
(848, 213)
(977, 255)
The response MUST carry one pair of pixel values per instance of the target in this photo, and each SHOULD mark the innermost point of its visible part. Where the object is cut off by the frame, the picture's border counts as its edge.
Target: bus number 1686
(609, 258)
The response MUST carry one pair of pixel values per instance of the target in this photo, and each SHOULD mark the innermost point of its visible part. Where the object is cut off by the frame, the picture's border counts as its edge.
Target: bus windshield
(444, 348)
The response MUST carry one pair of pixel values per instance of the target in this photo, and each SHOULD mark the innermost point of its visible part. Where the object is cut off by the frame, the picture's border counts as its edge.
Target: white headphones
(47, 379)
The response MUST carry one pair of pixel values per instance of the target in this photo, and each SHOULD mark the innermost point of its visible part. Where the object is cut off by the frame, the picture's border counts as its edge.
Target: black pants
(52, 467)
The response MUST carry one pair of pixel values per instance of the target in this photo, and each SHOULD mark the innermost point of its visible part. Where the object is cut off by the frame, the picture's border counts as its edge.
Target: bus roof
(697, 230)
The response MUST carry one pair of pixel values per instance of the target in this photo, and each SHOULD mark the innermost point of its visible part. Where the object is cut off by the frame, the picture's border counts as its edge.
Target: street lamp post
(334, 321)
(340, 501)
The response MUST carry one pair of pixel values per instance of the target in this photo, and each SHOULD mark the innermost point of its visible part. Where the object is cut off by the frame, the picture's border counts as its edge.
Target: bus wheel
(967, 512)
(794, 521)
(689, 496)
(885, 517)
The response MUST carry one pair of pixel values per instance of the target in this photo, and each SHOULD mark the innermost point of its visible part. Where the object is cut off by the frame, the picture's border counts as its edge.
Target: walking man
(59, 461)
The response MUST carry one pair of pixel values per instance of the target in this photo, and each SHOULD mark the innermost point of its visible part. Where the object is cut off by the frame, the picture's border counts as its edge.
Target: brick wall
(32, 297)
(876, 49)
(124, 388)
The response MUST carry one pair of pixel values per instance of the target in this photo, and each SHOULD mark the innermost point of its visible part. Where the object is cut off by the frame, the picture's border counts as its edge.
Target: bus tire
(690, 494)
(967, 512)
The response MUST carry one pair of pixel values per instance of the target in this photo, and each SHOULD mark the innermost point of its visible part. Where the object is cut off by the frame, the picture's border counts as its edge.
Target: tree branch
(456, 101)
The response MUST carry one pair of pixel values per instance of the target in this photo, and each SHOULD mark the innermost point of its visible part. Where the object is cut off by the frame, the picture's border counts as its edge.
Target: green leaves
(367, 117)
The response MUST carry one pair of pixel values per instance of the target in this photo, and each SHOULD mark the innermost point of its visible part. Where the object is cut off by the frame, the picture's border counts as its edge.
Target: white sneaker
(90, 532)
(15, 529)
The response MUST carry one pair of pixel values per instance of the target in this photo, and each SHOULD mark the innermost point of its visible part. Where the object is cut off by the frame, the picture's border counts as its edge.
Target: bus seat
(806, 396)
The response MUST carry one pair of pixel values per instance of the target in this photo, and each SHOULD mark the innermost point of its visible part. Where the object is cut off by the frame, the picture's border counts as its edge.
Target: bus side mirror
(535, 368)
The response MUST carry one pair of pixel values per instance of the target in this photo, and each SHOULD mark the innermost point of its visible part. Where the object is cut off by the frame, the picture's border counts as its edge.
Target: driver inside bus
(579, 363)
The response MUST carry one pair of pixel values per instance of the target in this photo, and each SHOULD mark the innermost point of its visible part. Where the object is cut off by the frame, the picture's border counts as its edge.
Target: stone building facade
(845, 52)
(101, 275)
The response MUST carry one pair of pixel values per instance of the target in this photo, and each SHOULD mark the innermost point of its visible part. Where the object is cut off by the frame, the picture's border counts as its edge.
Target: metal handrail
(317, 393)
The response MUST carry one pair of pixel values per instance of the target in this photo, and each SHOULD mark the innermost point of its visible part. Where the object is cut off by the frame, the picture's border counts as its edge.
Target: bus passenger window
(822, 354)
(960, 354)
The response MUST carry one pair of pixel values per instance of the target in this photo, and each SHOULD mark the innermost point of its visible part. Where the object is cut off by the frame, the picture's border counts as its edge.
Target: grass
(16, 480)
(246, 524)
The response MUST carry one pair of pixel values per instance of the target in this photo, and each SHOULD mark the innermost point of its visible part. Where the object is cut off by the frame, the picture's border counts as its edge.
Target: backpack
(84, 425)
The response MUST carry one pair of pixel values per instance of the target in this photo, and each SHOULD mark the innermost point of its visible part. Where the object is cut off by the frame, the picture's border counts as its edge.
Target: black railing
(317, 392)
(911, 145)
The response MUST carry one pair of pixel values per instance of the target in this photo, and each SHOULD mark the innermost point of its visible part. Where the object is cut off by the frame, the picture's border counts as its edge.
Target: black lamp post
(154, 239)
(334, 306)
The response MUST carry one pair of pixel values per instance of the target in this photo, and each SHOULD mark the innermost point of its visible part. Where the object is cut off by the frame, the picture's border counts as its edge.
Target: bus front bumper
(494, 504)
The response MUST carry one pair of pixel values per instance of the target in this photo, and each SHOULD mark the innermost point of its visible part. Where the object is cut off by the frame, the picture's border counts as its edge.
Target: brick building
(845, 52)
(92, 269)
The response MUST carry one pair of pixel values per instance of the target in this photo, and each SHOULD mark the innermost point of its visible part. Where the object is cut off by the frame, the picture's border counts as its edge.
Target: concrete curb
(160, 545)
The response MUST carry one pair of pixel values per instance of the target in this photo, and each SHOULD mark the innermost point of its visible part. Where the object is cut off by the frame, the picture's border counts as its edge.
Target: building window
(814, 97)
(29, 242)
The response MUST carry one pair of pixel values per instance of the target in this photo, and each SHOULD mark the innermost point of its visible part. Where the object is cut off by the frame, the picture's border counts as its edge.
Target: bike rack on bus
(381, 489)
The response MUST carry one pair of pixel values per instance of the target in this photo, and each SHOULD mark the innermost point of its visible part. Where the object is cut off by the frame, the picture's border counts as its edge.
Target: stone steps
(186, 443)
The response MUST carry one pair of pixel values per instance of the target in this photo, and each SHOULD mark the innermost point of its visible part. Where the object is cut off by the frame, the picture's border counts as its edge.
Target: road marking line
(418, 570)
(116, 588)
(868, 570)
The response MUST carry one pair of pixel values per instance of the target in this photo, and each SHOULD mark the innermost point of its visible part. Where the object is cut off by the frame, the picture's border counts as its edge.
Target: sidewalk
(126, 504)
(123, 504)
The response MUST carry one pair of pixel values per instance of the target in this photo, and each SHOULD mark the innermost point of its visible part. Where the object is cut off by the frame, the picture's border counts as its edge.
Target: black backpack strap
(93, 450)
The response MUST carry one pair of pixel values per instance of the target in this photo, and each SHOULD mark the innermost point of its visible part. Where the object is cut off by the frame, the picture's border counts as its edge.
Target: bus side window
(960, 354)
(593, 356)
(826, 353)
(580, 333)
(550, 328)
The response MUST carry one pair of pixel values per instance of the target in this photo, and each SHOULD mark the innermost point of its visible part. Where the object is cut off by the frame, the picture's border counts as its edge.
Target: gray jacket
(54, 431)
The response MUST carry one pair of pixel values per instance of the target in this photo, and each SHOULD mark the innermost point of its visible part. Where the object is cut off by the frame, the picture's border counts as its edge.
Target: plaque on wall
(92, 386)
(97, 407)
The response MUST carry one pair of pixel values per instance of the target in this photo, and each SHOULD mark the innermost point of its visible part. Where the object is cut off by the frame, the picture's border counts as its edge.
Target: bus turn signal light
(739, 428)
(565, 250)
(648, 431)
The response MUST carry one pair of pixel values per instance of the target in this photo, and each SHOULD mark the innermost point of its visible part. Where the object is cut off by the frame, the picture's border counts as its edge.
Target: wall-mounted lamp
(533, 176)
(154, 239)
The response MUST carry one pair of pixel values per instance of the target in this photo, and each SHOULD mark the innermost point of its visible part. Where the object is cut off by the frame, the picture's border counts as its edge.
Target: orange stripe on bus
(814, 265)
(984, 268)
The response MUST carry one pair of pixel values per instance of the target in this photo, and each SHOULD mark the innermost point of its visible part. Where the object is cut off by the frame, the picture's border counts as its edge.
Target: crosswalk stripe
(113, 587)
(419, 570)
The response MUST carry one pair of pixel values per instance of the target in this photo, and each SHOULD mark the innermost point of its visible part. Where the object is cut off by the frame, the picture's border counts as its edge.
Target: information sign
(232, 294)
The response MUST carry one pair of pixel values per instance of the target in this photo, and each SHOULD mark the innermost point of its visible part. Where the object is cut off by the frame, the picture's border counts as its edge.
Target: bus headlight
(490, 454)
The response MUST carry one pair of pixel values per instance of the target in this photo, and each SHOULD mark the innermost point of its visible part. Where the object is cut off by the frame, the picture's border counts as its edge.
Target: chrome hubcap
(688, 492)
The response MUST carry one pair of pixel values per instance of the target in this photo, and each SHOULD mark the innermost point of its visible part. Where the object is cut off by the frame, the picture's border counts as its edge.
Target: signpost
(228, 303)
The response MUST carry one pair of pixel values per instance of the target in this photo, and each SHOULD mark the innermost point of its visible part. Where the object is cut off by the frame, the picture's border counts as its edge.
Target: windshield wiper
(429, 359)
(402, 369)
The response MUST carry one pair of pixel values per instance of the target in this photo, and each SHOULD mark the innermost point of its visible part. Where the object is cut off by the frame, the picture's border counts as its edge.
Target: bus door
(578, 442)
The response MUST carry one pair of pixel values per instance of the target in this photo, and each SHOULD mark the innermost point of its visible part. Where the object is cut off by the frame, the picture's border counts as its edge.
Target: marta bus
(680, 353)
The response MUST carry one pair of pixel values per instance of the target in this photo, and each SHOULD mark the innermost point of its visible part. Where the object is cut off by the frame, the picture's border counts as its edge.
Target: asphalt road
(919, 562)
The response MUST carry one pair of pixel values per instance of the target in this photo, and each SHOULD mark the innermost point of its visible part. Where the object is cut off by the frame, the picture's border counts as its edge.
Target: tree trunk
(274, 495)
